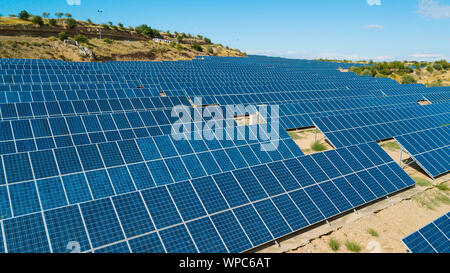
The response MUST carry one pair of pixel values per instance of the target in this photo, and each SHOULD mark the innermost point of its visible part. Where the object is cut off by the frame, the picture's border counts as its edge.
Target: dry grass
(429, 78)
(13, 21)
(391, 145)
(52, 48)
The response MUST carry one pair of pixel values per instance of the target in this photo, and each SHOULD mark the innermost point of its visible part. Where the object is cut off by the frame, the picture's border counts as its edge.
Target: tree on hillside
(437, 66)
(120, 25)
(63, 36)
(71, 23)
(37, 20)
(408, 79)
(207, 40)
(430, 68)
(366, 72)
(68, 15)
(197, 47)
(52, 22)
(148, 31)
(110, 23)
(45, 14)
(81, 38)
(24, 15)
(89, 21)
(59, 14)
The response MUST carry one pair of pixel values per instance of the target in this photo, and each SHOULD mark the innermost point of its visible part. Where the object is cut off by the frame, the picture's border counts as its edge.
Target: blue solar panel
(150, 243)
(231, 232)
(205, 236)
(26, 234)
(133, 214)
(65, 229)
(433, 238)
(101, 222)
(80, 143)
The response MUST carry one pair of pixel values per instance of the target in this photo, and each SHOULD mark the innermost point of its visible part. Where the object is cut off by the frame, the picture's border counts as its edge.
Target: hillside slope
(23, 39)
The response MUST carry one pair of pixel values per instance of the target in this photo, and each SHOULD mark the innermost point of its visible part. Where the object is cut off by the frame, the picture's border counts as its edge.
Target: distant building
(158, 40)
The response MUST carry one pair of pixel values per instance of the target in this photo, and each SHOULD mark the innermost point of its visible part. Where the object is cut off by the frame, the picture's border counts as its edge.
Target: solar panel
(433, 238)
(429, 148)
(91, 144)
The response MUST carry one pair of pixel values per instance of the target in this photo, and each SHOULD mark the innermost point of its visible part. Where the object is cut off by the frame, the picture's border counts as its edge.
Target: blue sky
(353, 29)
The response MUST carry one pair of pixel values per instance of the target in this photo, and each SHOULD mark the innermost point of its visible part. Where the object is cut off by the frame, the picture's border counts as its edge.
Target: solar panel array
(433, 238)
(429, 148)
(89, 162)
(382, 124)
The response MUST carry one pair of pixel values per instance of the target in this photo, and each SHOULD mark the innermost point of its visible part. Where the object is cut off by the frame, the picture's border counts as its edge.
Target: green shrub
(197, 47)
(89, 21)
(421, 181)
(71, 23)
(207, 40)
(334, 244)
(373, 232)
(52, 22)
(443, 187)
(81, 38)
(408, 79)
(317, 146)
(107, 41)
(179, 47)
(366, 72)
(437, 66)
(63, 36)
(24, 15)
(37, 20)
(430, 69)
(352, 246)
(210, 50)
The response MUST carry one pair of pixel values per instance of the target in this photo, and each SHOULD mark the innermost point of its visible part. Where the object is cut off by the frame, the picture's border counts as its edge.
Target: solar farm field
(199, 156)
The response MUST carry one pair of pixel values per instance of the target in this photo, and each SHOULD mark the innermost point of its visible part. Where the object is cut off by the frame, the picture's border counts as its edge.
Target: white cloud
(383, 58)
(428, 56)
(432, 9)
(374, 2)
(73, 2)
(373, 26)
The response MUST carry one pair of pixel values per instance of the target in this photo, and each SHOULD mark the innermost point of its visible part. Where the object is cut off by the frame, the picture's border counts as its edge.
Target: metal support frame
(100, 26)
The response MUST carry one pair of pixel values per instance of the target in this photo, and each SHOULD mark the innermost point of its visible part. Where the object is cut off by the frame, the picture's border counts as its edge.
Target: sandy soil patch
(305, 139)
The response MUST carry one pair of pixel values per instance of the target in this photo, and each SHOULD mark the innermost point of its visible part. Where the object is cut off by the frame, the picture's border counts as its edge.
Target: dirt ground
(305, 139)
(381, 226)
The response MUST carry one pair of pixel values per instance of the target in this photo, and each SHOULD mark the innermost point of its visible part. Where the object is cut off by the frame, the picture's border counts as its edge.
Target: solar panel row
(228, 211)
(382, 124)
(430, 149)
(433, 238)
